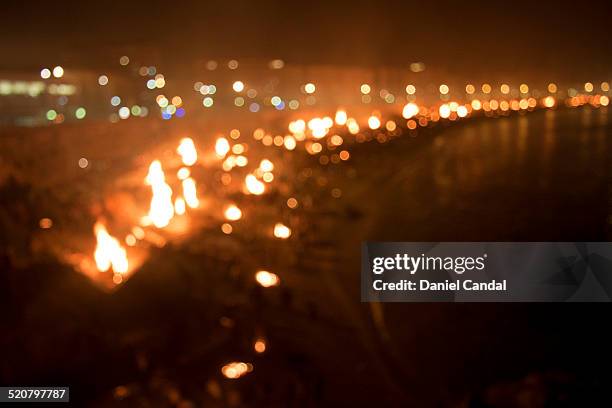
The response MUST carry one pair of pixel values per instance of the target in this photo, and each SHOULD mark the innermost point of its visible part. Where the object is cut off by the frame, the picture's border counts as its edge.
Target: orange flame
(190, 193)
(109, 253)
(253, 185)
(222, 147)
(187, 151)
(161, 210)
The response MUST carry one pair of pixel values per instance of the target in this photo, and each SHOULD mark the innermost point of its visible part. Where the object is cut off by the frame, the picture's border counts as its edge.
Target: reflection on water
(543, 176)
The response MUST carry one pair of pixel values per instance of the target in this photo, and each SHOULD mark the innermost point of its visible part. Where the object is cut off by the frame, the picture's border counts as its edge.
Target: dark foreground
(161, 339)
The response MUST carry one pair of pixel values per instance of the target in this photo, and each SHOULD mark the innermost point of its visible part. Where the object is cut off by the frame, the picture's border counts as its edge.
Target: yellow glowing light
(190, 193)
(281, 231)
(222, 147)
(297, 126)
(253, 185)
(187, 151)
(238, 86)
(310, 88)
(588, 87)
(444, 111)
(604, 100)
(235, 369)
(353, 126)
(267, 279)
(232, 213)
(486, 88)
(266, 165)
(552, 87)
(505, 89)
(365, 89)
(109, 253)
(341, 117)
(179, 206)
(410, 89)
(549, 101)
(183, 173)
(58, 72)
(336, 140)
(443, 89)
(524, 88)
(289, 142)
(373, 122)
(476, 104)
(462, 111)
(410, 110)
(470, 89)
(226, 228)
(259, 346)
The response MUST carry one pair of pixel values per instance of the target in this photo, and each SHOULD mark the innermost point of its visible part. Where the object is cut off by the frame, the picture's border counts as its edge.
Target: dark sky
(493, 35)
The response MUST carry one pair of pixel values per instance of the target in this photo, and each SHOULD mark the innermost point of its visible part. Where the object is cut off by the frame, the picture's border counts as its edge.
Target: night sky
(517, 36)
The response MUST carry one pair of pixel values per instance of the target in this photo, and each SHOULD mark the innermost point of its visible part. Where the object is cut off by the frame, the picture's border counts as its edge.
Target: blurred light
(207, 102)
(443, 89)
(281, 231)
(232, 213)
(238, 86)
(470, 89)
(310, 88)
(549, 101)
(253, 185)
(259, 346)
(410, 110)
(179, 206)
(190, 193)
(102, 80)
(124, 112)
(444, 111)
(373, 122)
(226, 228)
(410, 89)
(124, 60)
(365, 89)
(232, 64)
(187, 151)
(341, 117)
(222, 147)
(552, 87)
(462, 111)
(45, 73)
(58, 72)
(80, 113)
(276, 64)
(267, 279)
(524, 88)
(588, 87)
(46, 223)
(292, 202)
(266, 165)
(51, 114)
(235, 370)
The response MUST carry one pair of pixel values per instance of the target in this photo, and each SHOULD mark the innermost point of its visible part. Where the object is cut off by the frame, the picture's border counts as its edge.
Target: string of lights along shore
(251, 161)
